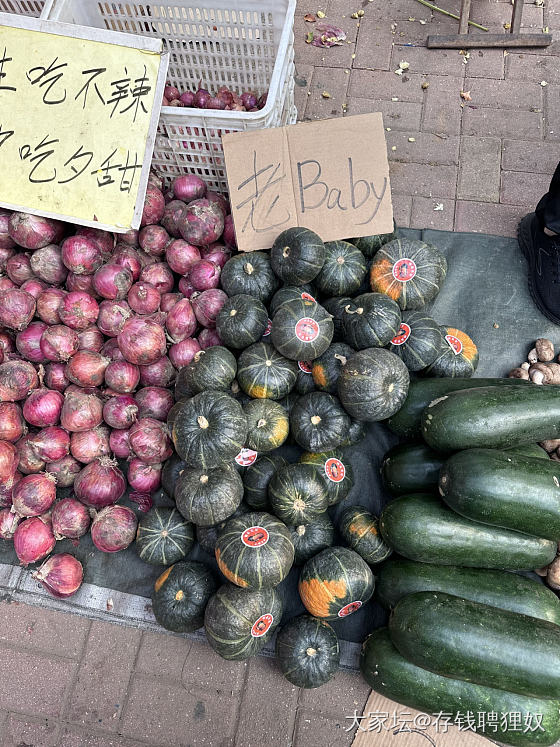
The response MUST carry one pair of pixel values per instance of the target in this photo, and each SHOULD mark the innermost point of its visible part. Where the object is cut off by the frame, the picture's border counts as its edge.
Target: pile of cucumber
(476, 503)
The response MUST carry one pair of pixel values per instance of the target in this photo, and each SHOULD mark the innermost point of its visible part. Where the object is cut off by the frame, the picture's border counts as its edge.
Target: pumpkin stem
(311, 651)
(268, 362)
(249, 269)
(261, 423)
(299, 504)
(342, 358)
(301, 530)
(198, 356)
(203, 423)
(165, 533)
(315, 419)
(204, 479)
(348, 311)
(233, 312)
(340, 260)
(179, 595)
(286, 251)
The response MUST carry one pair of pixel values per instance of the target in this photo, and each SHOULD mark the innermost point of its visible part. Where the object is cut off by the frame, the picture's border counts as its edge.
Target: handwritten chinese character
(93, 73)
(120, 93)
(140, 90)
(263, 199)
(76, 157)
(5, 135)
(47, 76)
(127, 170)
(4, 74)
(41, 155)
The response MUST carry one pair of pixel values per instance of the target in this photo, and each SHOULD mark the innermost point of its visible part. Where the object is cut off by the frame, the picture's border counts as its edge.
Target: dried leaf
(326, 95)
(309, 37)
(411, 139)
(466, 95)
(410, 18)
(404, 65)
(425, 85)
(328, 35)
(394, 147)
(545, 30)
(309, 17)
(110, 604)
(438, 207)
(539, 3)
(320, 14)
(543, 83)
(422, 22)
(399, 71)
(507, 26)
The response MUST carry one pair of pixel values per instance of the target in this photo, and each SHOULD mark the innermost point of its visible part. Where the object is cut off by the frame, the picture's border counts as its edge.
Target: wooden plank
(465, 14)
(467, 41)
(516, 16)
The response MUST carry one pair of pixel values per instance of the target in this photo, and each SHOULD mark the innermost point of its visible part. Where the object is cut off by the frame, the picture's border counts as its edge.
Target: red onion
(34, 287)
(43, 407)
(7, 344)
(33, 541)
(8, 462)
(17, 308)
(174, 209)
(112, 281)
(181, 256)
(112, 317)
(218, 255)
(120, 412)
(170, 93)
(160, 373)
(181, 321)
(34, 494)
(111, 350)
(78, 310)
(202, 222)
(29, 461)
(49, 303)
(154, 402)
(144, 478)
(104, 239)
(55, 376)
(143, 298)
(149, 440)
(214, 102)
(142, 341)
(168, 301)
(128, 257)
(220, 200)
(81, 411)
(8, 524)
(17, 379)
(18, 268)
(187, 97)
(201, 98)
(87, 368)
(59, 342)
(82, 283)
(146, 259)
(208, 338)
(61, 575)
(34, 231)
(158, 317)
(114, 528)
(154, 205)
(5, 255)
(51, 443)
(155, 180)
(83, 390)
(118, 441)
(186, 287)
(153, 240)
(207, 305)
(159, 275)
(86, 446)
(47, 264)
(182, 353)
(91, 339)
(130, 237)
(65, 470)
(100, 483)
(122, 376)
(70, 518)
(6, 241)
(229, 233)
(189, 187)
(6, 283)
(12, 425)
(81, 255)
(205, 275)
(249, 100)
(144, 500)
(28, 342)
(6, 490)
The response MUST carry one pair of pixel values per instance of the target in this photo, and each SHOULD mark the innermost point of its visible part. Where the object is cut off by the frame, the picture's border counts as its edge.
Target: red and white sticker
(349, 608)
(402, 335)
(454, 343)
(255, 537)
(304, 366)
(335, 470)
(307, 329)
(268, 328)
(404, 269)
(246, 457)
(262, 625)
(307, 297)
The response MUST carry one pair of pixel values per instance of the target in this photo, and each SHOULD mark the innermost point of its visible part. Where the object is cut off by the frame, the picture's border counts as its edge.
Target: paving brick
(312, 730)
(379, 84)
(73, 737)
(534, 67)
(540, 157)
(373, 46)
(485, 63)
(402, 206)
(552, 113)
(100, 689)
(430, 61)
(442, 109)
(390, 10)
(506, 94)
(424, 214)
(519, 188)
(335, 82)
(422, 179)
(19, 731)
(205, 669)
(33, 683)
(259, 711)
(163, 655)
(302, 81)
(426, 148)
(479, 171)
(502, 123)
(345, 693)
(39, 629)
(488, 217)
(398, 115)
(167, 714)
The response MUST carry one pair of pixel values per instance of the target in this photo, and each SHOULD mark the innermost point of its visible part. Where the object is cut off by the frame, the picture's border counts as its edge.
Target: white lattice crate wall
(242, 44)
(23, 7)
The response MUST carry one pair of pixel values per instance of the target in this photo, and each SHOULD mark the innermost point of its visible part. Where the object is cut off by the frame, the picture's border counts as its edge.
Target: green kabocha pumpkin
(360, 531)
(335, 307)
(183, 389)
(288, 293)
(213, 368)
(255, 551)
(209, 430)
(418, 341)
(301, 330)
(297, 256)
(335, 583)
(181, 594)
(371, 320)
(370, 245)
(289, 401)
(238, 623)
(257, 478)
(163, 536)
(309, 539)
(343, 270)
(304, 381)
(335, 471)
(297, 494)
(373, 384)
(408, 271)
(263, 373)
(307, 651)
(170, 473)
(356, 433)
(318, 422)
(241, 321)
(457, 356)
(327, 367)
(208, 536)
(208, 496)
(249, 273)
(268, 425)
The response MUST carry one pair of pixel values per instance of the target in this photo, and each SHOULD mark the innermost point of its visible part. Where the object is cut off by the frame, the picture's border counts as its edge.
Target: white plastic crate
(23, 7)
(242, 44)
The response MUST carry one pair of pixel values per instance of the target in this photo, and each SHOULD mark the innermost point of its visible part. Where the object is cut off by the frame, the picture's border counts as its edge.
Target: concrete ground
(471, 163)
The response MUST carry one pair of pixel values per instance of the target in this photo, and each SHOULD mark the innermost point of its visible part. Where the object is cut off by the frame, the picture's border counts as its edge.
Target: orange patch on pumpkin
(319, 376)
(163, 578)
(469, 350)
(381, 279)
(317, 595)
(280, 432)
(230, 575)
(258, 392)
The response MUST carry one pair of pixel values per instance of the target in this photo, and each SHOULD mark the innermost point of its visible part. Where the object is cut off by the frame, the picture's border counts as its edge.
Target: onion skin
(55, 376)
(118, 441)
(17, 309)
(111, 350)
(51, 443)
(86, 446)
(186, 287)
(130, 237)
(7, 344)
(87, 368)
(61, 575)
(33, 540)
(59, 343)
(142, 341)
(81, 255)
(70, 518)
(9, 458)
(29, 461)
(33, 495)
(48, 305)
(149, 440)
(82, 283)
(182, 353)
(114, 528)
(160, 373)
(28, 342)
(43, 407)
(112, 317)
(81, 411)
(122, 376)
(79, 310)
(120, 412)
(8, 524)
(17, 379)
(65, 470)
(6, 241)
(154, 402)
(12, 424)
(100, 484)
(91, 338)
(168, 301)
(142, 477)
(6, 490)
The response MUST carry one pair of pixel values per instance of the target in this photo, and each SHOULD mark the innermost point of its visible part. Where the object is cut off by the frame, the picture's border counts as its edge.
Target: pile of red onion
(93, 328)
(224, 99)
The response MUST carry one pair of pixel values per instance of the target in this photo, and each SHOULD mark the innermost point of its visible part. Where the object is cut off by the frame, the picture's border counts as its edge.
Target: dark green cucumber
(407, 421)
(411, 468)
(391, 675)
(492, 417)
(505, 490)
(530, 450)
(508, 591)
(420, 527)
(474, 642)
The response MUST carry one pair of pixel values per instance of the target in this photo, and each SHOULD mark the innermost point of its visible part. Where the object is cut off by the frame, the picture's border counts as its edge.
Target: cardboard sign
(330, 176)
(78, 114)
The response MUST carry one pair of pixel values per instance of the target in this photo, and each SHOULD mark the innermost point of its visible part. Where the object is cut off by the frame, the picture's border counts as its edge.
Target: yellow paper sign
(77, 120)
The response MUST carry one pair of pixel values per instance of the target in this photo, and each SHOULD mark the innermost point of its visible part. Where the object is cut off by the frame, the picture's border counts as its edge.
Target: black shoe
(542, 253)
